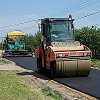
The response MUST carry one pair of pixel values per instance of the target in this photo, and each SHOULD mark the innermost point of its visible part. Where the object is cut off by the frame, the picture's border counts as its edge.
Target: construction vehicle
(59, 52)
(14, 45)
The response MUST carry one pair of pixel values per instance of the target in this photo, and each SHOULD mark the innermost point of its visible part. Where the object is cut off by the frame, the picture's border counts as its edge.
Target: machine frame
(63, 57)
(13, 45)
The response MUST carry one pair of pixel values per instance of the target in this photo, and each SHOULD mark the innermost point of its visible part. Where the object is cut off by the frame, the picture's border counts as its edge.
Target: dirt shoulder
(8, 67)
(68, 94)
(0, 53)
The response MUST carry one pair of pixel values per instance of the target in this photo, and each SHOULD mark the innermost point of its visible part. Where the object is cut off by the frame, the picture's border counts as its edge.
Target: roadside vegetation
(2, 62)
(95, 63)
(32, 41)
(14, 87)
(0, 46)
(89, 36)
(48, 91)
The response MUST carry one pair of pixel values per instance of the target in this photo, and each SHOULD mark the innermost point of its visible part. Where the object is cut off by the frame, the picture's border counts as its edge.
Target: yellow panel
(15, 33)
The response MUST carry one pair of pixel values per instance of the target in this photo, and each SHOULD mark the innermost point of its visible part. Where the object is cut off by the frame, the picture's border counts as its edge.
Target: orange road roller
(59, 52)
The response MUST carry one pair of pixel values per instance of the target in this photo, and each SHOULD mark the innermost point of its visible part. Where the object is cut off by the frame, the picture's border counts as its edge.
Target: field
(14, 87)
(2, 62)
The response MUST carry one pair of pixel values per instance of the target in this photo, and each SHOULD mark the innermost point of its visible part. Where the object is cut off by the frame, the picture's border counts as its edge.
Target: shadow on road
(33, 74)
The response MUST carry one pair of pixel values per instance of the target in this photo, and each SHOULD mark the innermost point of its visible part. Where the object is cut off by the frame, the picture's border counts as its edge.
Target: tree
(37, 39)
(89, 37)
(1, 46)
(32, 41)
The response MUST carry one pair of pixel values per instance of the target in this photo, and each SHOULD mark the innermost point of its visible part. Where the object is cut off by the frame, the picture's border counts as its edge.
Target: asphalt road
(89, 85)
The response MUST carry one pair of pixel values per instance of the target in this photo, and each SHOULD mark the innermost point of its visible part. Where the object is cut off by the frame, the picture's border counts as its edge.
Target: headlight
(60, 55)
(85, 53)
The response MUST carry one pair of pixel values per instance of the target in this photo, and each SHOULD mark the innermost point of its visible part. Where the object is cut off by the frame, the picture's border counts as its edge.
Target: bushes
(0, 46)
(32, 41)
(90, 37)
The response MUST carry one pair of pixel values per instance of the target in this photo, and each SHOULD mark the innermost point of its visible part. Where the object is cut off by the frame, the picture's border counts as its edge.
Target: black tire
(39, 65)
(52, 69)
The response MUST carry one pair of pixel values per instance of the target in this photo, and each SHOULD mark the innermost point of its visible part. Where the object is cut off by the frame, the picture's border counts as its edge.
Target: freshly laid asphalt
(89, 85)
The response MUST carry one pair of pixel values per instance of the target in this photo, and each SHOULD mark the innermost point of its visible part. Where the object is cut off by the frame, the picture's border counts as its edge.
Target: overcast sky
(13, 12)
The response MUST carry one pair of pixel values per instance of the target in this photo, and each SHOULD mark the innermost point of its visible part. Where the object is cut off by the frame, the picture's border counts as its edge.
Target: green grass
(2, 62)
(95, 62)
(14, 87)
(48, 91)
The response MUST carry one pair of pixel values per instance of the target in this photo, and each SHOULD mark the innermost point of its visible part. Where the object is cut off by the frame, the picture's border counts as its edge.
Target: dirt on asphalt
(40, 81)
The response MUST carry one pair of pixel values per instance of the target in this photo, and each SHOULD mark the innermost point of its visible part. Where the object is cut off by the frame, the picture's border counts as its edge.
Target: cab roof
(16, 33)
(56, 19)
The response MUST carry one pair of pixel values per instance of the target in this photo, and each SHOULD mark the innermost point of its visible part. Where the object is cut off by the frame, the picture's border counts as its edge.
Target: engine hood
(75, 48)
(66, 46)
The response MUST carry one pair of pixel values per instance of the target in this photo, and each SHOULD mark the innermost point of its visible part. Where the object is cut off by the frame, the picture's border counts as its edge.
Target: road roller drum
(73, 68)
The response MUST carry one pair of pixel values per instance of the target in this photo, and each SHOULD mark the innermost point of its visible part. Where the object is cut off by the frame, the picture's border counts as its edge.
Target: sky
(23, 14)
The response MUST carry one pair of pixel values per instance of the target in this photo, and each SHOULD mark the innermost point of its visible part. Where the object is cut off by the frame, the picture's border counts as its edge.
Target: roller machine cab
(59, 52)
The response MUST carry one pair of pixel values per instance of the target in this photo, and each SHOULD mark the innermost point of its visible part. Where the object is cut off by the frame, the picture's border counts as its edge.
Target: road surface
(89, 85)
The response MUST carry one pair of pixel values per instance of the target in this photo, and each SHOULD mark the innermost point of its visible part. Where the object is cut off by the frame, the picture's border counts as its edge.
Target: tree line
(89, 36)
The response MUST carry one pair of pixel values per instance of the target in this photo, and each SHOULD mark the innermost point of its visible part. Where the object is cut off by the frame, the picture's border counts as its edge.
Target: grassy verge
(95, 62)
(14, 87)
(48, 91)
(2, 62)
